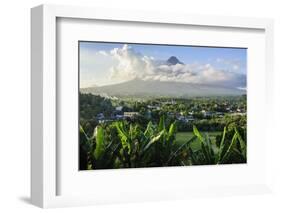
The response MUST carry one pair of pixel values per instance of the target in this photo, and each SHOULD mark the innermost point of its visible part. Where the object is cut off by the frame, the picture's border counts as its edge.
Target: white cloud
(235, 67)
(132, 64)
(219, 60)
(102, 52)
(233, 64)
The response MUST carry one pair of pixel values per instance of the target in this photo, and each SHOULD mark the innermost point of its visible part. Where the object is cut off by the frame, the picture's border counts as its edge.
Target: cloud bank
(132, 64)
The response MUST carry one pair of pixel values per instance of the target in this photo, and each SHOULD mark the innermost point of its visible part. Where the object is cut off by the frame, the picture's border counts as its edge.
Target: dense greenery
(126, 145)
(161, 132)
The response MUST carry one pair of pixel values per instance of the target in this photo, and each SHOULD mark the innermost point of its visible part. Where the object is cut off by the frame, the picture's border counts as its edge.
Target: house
(172, 102)
(220, 114)
(191, 113)
(209, 114)
(119, 117)
(181, 118)
(238, 113)
(190, 118)
(105, 121)
(100, 116)
(119, 108)
(153, 107)
(171, 114)
(185, 119)
(130, 114)
(206, 113)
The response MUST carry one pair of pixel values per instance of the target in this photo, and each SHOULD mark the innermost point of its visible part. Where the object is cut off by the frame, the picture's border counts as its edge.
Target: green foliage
(226, 152)
(84, 147)
(91, 105)
(100, 146)
(149, 139)
(125, 145)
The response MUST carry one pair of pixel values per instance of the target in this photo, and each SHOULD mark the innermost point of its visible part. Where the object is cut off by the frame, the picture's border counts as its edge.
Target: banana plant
(135, 143)
(211, 153)
(166, 151)
(155, 146)
(85, 145)
(126, 145)
(95, 151)
(104, 153)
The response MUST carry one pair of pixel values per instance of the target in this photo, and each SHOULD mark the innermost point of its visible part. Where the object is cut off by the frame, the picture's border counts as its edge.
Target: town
(199, 111)
(183, 116)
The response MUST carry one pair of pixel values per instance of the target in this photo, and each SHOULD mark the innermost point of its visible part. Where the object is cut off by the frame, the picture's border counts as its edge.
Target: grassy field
(182, 137)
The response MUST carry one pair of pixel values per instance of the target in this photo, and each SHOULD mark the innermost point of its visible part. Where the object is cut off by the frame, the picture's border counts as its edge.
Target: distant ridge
(152, 88)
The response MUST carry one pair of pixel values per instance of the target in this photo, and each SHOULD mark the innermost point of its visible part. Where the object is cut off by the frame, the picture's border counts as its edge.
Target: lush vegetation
(127, 133)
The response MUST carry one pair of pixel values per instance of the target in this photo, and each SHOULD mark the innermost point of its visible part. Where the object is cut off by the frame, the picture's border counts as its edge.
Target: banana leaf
(100, 146)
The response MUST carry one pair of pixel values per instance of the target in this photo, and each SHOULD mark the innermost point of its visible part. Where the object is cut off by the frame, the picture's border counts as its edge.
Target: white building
(130, 114)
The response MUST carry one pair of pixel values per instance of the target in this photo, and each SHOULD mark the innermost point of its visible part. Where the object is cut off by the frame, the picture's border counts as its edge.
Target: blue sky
(109, 63)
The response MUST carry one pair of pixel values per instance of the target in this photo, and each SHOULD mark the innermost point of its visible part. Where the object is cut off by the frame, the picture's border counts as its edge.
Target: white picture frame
(44, 154)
